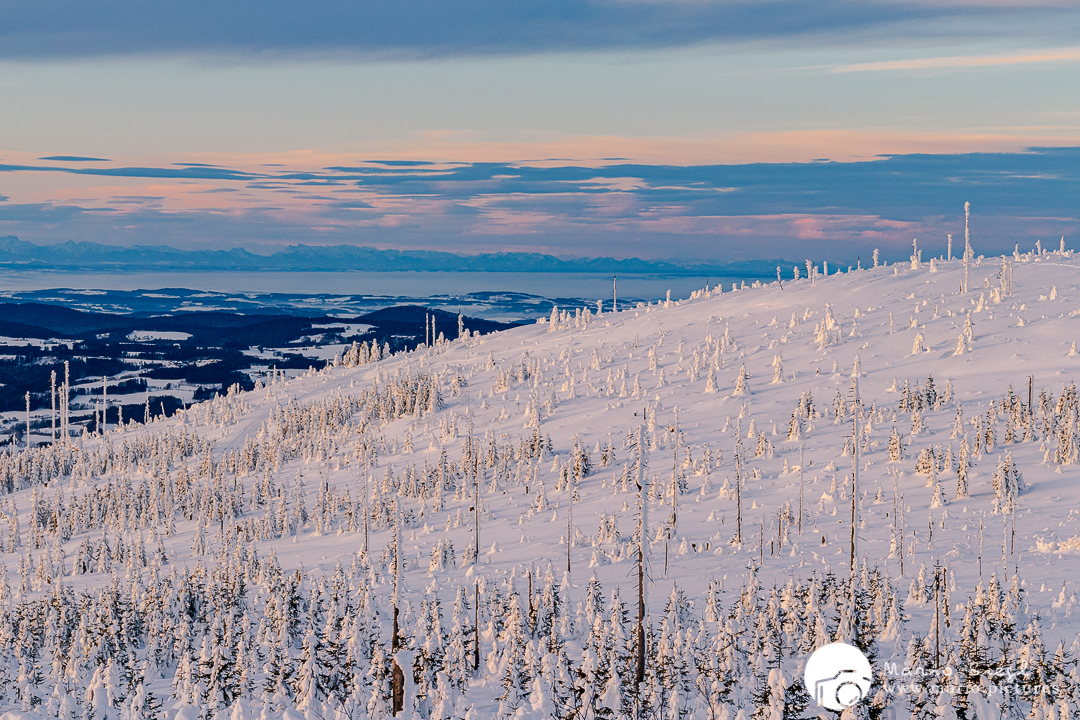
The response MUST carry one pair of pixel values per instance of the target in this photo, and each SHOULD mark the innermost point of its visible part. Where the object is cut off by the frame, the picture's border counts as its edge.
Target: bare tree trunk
(66, 421)
(53, 415)
(569, 523)
(367, 515)
(802, 462)
(398, 686)
(476, 514)
(738, 490)
(854, 473)
(476, 628)
(643, 499)
(967, 244)
(398, 689)
(639, 675)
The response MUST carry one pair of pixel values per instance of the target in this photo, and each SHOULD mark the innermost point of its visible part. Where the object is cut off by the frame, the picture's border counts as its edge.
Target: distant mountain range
(89, 256)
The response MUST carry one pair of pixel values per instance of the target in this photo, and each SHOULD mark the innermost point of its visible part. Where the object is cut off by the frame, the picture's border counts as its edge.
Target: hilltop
(259, 542)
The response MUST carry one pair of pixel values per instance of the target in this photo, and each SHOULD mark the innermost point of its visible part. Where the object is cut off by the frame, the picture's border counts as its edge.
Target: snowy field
(149, 335)
(243, 560)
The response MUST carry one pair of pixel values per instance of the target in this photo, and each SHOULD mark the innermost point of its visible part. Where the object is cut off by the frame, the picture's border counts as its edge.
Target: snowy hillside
(239, 560)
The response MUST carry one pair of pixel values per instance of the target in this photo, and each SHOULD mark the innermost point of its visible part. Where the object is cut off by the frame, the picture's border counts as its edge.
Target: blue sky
(656, 128)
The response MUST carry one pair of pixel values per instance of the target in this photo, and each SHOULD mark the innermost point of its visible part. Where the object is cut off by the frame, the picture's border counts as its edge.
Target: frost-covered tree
(1007, 483)
(742, 386)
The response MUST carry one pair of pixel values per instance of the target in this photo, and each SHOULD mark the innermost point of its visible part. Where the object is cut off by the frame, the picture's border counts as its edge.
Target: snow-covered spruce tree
(218, 669)
(379, 704)
(312, 679)
(1007, 483)
(673, 658)
(742, 386)
(710, 383)
(428, 652)
(896, 447)
(513, 638)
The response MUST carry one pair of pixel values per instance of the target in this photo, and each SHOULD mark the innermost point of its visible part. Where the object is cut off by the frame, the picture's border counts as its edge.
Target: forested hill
(194, 353)
(654, 513)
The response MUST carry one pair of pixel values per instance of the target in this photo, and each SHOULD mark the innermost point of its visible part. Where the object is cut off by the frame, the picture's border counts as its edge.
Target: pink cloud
(962, 61)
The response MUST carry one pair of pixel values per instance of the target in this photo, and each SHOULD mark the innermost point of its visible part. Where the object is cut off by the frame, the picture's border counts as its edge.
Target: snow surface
(665, 351)
(147, 335)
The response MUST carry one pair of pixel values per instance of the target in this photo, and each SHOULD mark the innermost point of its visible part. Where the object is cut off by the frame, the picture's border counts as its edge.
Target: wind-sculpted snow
(489, 496)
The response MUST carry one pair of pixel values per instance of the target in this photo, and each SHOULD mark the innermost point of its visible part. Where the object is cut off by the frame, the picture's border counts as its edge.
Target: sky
(699, 129)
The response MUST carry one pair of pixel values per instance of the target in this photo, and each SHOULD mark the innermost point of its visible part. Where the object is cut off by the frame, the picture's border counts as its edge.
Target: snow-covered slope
(736, 407)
